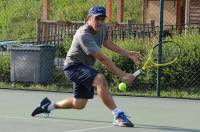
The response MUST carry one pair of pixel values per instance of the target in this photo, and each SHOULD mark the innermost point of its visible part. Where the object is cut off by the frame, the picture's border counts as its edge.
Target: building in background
(176, 12)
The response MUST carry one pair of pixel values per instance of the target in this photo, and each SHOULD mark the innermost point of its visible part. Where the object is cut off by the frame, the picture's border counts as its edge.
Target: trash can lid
(32, 47)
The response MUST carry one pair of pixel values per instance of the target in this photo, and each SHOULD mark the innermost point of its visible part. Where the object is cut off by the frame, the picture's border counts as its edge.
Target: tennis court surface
(148, 114)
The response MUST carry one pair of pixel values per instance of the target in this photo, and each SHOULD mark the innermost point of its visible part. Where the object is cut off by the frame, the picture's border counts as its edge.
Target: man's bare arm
(108, 64)
(113, 47)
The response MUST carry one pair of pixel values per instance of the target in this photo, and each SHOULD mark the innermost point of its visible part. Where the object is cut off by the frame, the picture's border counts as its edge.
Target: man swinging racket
(78, 67)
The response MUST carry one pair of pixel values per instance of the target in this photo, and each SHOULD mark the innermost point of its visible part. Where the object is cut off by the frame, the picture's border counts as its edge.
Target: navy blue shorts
(82, 77)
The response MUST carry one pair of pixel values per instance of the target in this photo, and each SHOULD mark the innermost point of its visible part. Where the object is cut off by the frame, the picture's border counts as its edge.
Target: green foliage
(61, 50)
(133, 10)
(124, 63)
(72, 10)
(59, 75)
(4, 68)
(76, 10)
(182, 75)
(18, 17)
(185, 73)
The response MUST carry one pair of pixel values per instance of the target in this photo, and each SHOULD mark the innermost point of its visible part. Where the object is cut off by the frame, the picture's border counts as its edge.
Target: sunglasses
(100, 18)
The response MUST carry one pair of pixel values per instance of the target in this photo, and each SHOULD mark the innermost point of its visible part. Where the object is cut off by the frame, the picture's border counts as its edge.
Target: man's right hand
(128, 77)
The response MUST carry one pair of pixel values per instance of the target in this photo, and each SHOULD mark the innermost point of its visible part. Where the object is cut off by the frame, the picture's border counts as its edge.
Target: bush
(61, 50)
(126, 64)
(4, 68)
(182, 75)
(185, 74)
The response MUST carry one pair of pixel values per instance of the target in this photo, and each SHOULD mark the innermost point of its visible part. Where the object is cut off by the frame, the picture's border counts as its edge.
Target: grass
(54, 87)
(67, 88)
(18, 17)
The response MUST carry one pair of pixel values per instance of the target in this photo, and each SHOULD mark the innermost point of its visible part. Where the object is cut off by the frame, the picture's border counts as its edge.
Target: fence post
(178, 15)
(153, 24)
(199, 30)
(130, 22)
(187, 11)
(120, 7)
(46, 12)
(160, 48)
(46, 9)
(153, 28)
(38, 22)
(109, 10)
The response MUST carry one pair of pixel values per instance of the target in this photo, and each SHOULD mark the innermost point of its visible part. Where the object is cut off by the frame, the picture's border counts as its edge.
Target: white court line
(79, 130)
(88, 129)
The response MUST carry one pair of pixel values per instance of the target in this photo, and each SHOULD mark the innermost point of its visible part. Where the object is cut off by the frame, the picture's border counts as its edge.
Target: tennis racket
(170, 54)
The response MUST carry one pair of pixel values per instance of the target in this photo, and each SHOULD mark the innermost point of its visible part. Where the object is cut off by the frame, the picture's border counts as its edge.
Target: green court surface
(148, 114)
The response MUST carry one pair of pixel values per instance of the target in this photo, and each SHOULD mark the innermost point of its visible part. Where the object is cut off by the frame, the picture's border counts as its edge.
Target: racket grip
(135, 74)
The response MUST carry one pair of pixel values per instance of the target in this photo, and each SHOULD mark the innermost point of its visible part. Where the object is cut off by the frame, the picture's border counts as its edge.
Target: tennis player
(78, 67)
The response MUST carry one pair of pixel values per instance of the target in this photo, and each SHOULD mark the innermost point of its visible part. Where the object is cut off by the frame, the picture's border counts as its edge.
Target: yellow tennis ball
(122, 87)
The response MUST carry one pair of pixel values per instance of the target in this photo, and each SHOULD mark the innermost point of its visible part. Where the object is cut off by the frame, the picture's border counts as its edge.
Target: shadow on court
(166, 128)
(74, 119)
(142, 126)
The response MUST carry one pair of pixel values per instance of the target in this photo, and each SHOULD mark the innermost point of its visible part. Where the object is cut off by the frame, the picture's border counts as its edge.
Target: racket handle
(135, 74)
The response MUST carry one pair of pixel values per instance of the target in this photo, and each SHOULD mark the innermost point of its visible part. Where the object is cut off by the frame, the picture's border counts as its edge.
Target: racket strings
(170, 53)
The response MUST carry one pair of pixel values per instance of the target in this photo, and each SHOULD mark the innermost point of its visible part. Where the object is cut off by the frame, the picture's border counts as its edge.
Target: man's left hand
(135, 56)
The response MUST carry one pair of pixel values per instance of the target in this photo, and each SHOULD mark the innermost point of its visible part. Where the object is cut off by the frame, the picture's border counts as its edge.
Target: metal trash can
(32, 64)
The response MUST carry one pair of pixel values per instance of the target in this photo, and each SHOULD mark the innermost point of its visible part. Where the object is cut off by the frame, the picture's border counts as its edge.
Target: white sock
(51, 107)
(116, 111)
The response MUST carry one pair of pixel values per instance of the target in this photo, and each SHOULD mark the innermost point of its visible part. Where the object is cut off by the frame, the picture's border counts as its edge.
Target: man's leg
(102, 89)
(82, 89)
(46, 106)
(71, 103)
(120, 119)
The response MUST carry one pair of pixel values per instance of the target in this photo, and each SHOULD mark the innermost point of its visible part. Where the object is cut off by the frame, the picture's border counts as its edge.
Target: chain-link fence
(132, 24)
(181, 25)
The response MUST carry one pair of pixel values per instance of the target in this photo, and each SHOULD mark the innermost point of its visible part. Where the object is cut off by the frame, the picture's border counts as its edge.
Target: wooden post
(46, 9)
(120, 6)
(46, 12)
(38, 30)
(153, 29)
(152, 23)
(178, 14)
(187, 11)
(109, 10)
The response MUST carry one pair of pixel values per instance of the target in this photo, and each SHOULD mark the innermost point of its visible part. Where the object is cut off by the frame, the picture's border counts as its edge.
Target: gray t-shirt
(84, 44)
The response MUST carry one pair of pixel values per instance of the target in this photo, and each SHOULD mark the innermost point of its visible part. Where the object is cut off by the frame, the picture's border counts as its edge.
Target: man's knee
(79, 103)
(99, 79)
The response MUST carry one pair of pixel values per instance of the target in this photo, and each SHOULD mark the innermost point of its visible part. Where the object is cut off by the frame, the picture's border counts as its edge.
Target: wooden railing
(53, 32)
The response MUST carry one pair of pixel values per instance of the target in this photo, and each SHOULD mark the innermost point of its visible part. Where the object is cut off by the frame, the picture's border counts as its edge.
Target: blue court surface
(148, 114)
